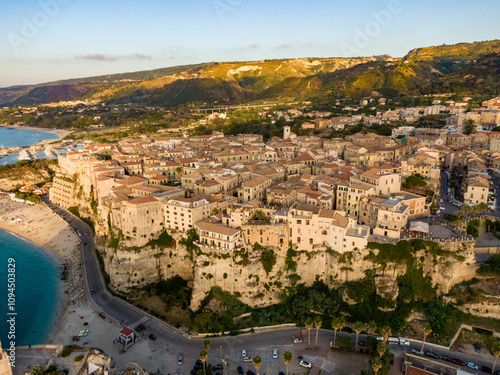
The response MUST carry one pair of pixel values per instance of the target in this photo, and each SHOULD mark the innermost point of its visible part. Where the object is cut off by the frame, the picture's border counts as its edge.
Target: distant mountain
(421, 71)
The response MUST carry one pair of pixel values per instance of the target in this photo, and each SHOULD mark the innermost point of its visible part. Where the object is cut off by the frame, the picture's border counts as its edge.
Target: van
(393, 341)
(404, 342)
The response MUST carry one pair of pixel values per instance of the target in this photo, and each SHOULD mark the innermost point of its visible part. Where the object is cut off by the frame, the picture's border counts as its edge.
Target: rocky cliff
(243, 274)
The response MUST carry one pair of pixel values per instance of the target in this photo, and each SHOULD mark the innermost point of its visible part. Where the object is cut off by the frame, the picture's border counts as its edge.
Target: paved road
(172, 340)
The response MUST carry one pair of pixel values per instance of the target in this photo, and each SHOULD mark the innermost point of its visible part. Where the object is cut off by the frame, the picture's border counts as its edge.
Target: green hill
(422, 71)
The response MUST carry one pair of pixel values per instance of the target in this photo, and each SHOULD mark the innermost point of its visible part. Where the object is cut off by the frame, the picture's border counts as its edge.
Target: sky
(47, 40)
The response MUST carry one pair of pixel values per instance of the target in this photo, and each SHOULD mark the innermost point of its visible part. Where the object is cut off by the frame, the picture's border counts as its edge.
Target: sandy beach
(40, 225)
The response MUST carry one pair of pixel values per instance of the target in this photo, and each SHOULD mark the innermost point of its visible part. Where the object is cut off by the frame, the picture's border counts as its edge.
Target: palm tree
(309, 324)
(206, 345)
(203, 358)
(338, 324)
(495, 349)
(257, 361)
(358, 327)
(386, 332)
(317, 324)
(372, 327)
(376, 365)
(287, 358)
(381, 349)
(427, 330)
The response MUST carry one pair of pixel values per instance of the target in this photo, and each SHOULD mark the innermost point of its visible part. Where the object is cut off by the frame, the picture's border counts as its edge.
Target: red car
(458, 362)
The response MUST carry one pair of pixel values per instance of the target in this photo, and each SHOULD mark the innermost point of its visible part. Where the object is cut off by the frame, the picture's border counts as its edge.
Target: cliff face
(243, 273)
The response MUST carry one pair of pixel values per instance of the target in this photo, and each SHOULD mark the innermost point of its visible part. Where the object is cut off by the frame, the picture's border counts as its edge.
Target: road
(174, 341)
(449, 208)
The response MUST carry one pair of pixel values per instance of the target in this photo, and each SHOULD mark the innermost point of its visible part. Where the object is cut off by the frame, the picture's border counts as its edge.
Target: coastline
(59, 132)
(59, 243)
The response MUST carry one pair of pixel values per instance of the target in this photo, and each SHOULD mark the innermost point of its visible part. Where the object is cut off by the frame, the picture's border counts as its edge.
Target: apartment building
(63, 191)
(217, 236)
(475, 189)
(182, 213)
(311, 227)
(381, 180)
(348, 196)
(387, 216)
(253, 189)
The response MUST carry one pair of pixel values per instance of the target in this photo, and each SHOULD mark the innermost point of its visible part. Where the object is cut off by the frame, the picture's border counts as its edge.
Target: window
(307, 222)
(299, 221)
(298, 239)
(323, 232)
(310, 241)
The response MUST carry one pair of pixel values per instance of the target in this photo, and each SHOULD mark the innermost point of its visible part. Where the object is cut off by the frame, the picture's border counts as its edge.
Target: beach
(38, 224)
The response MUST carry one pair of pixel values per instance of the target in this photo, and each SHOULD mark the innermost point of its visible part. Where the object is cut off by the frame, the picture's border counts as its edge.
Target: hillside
(422, 71)
(460, 51)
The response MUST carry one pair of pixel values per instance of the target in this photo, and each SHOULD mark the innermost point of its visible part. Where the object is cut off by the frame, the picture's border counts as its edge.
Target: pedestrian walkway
(137, 322)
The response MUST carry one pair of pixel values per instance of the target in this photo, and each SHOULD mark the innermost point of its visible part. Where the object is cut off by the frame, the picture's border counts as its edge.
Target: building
(311, 227)
(62, 191)
(475, 189)
(253, 189)
(218, 236)
(182, 213)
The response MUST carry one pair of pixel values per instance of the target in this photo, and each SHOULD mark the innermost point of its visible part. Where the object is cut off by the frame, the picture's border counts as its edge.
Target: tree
(203, 357)
(358, 327)
(317, 324)
(372, 327)
(309, 324)
(376, 365)
(495, 349)
(469, 127)
(427, 330)
(386, 332)
(381, 349)
(338, 324)
(287, 358)
(257, 361)
(206, 345)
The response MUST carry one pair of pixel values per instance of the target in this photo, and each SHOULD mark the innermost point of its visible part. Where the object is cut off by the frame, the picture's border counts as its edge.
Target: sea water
(37, 296)
(10, 137)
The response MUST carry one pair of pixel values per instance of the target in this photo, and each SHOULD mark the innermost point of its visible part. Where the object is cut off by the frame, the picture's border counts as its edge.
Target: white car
(275, 353)
(297, 340)
(244, 353)
(472, 366)
(305, 364)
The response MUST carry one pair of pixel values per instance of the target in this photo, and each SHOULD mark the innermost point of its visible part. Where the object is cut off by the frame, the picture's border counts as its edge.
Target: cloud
(254, 45)
(102, 57)
(284, 45)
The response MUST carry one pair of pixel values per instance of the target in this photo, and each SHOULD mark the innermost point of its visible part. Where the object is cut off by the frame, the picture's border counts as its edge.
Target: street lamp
(220, 352)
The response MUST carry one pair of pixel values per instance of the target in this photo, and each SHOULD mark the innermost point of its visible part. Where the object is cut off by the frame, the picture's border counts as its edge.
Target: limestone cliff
(242, 273)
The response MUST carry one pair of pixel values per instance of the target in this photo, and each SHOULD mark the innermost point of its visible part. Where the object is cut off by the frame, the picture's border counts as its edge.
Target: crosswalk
(137, 322)
(320, 362)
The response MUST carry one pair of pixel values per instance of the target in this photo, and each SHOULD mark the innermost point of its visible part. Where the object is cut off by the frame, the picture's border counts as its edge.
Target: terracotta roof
(141, 200)
(226, 231)
(255, 182)
(126, 331)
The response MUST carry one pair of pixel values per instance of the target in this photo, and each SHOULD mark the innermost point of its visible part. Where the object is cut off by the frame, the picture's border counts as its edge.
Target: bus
(393, 341)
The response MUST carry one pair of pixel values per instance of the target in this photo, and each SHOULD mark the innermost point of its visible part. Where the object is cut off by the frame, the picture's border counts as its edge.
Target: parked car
(243, 352)
(416, 351)
(446, 358)
(304, 363)
(477, 347)
(297, 340)
(432, 355)
(152, 337)
(275, 353)
(218, 367)
(472, 366)
(140, 328)
(246, 359)
(250, 372)
(281, 373)
(179, 361)
(458, 362)
(486, 369)
(240, 370)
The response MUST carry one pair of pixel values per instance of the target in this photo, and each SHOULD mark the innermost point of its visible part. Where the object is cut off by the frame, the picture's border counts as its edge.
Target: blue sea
(10, 137)
(38, 288)
(37, 294)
